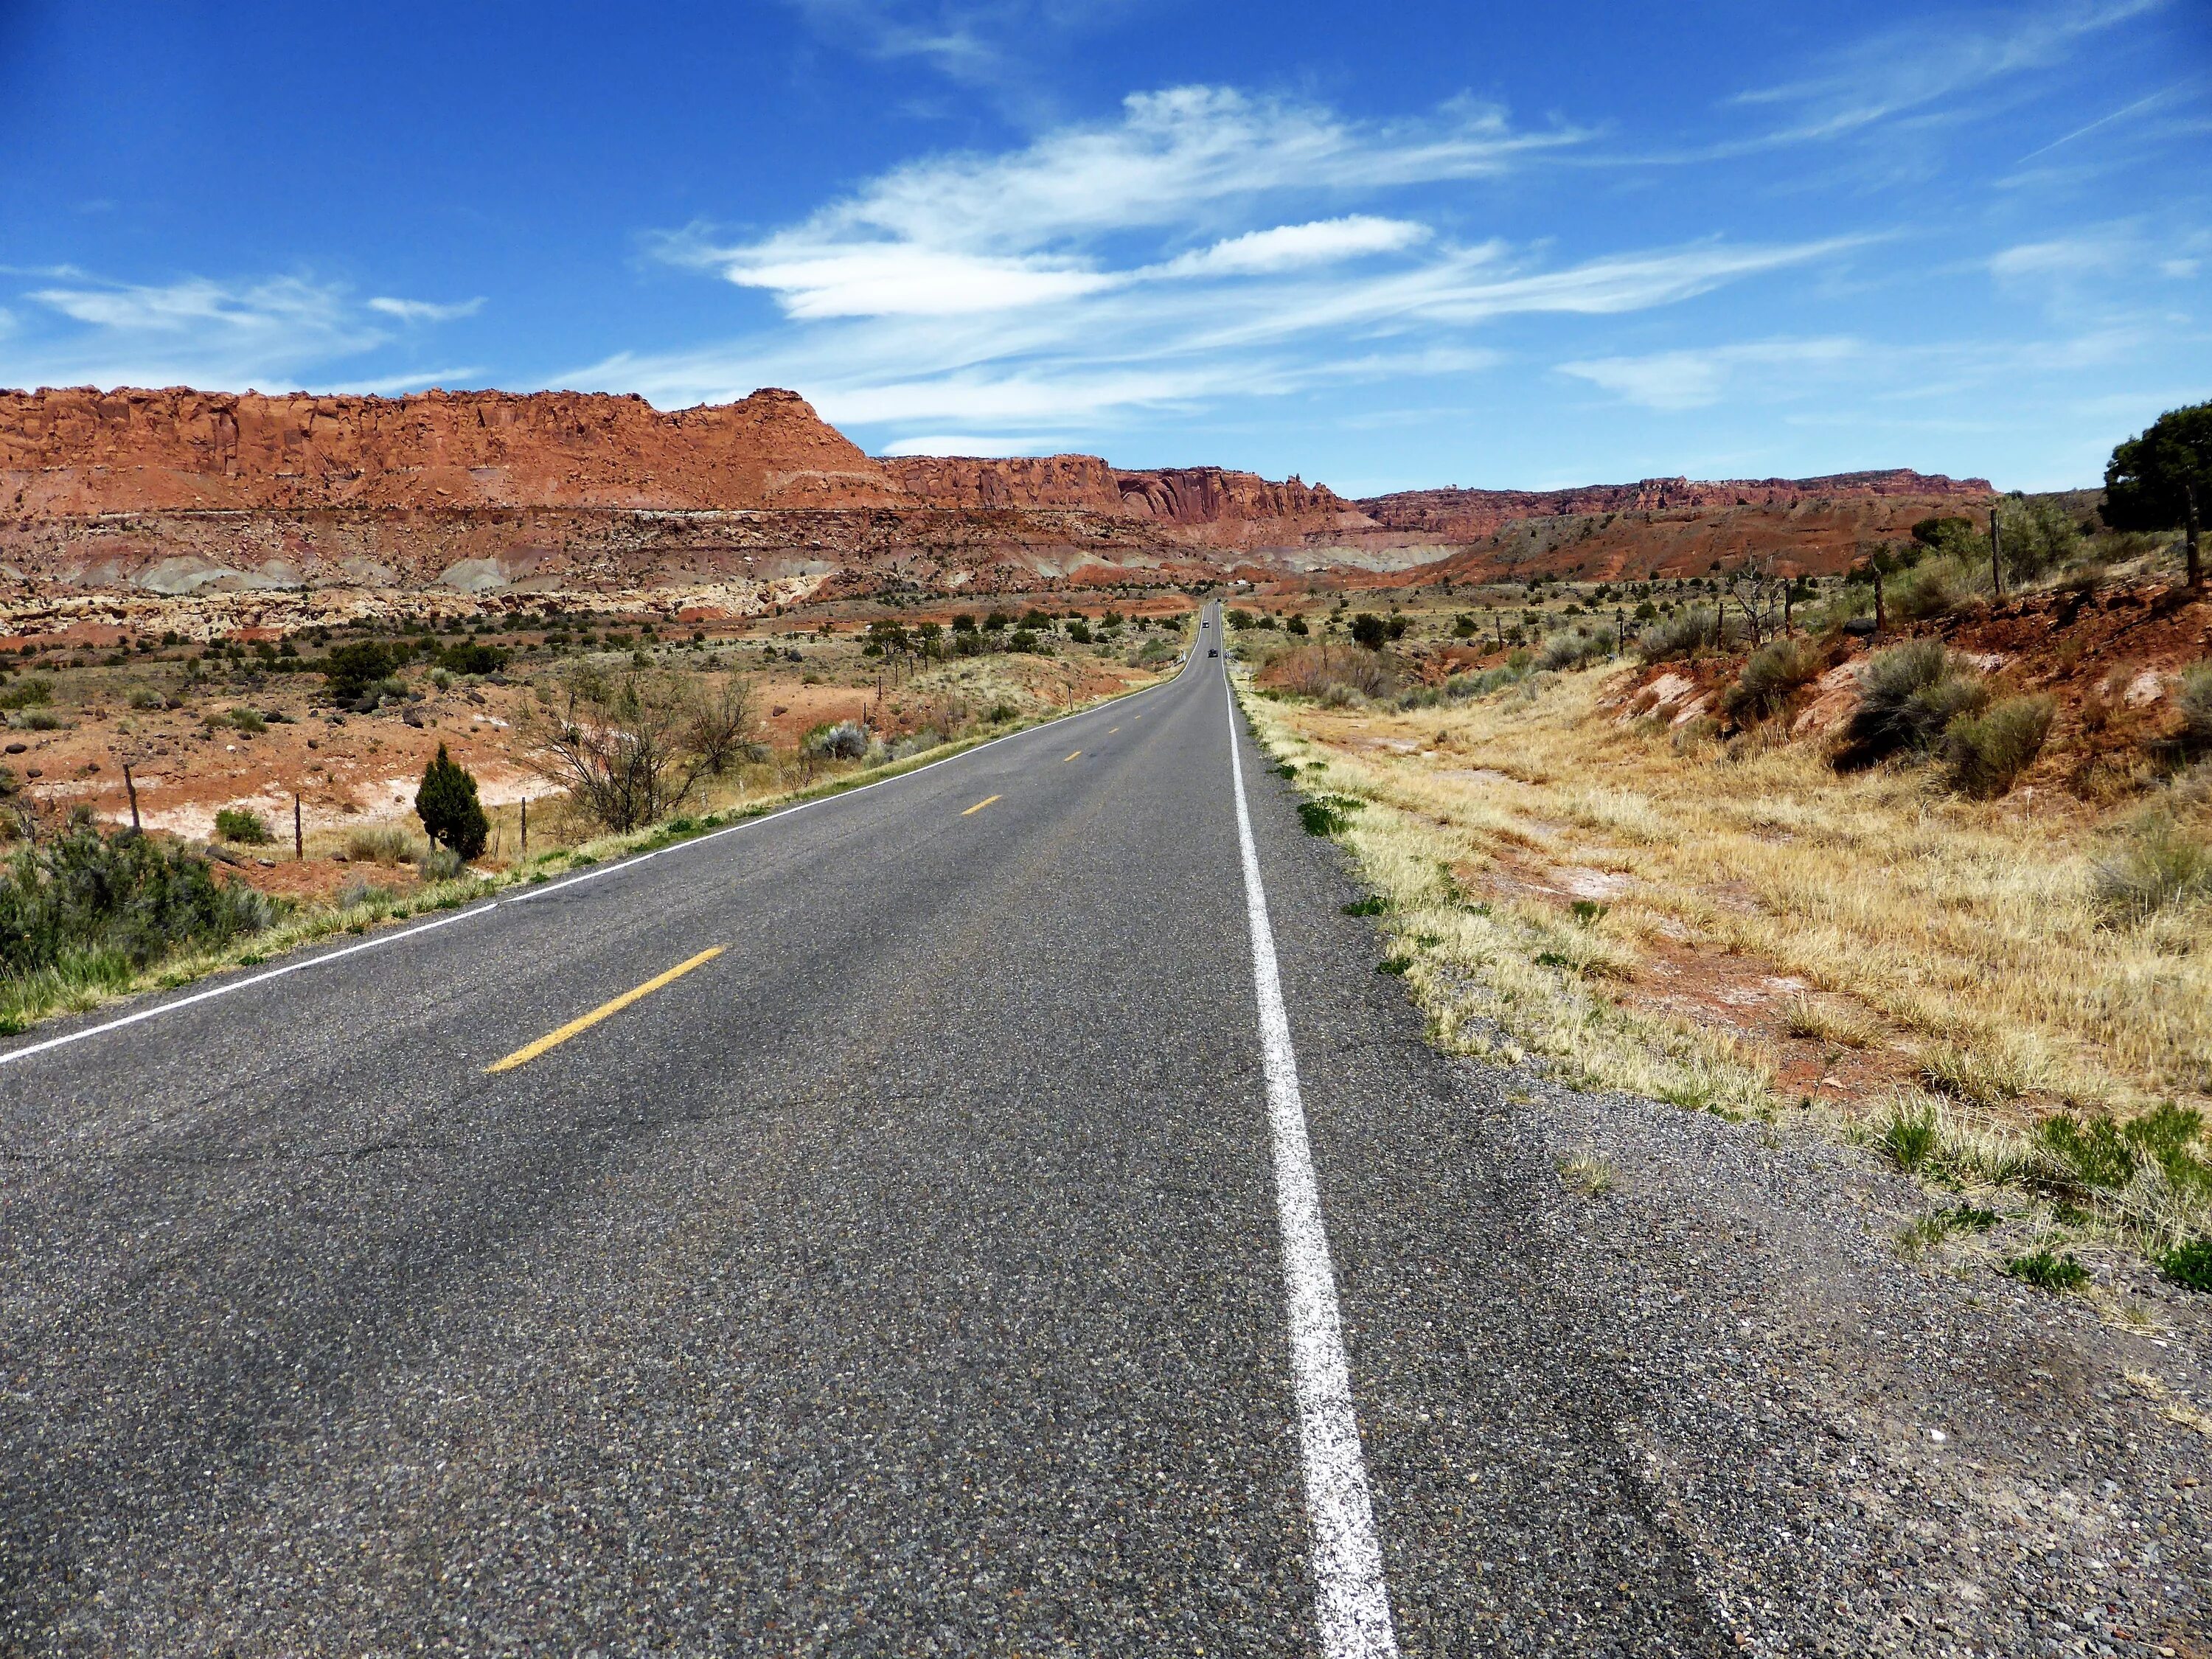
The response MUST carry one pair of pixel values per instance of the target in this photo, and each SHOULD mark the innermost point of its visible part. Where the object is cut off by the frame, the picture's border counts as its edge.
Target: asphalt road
(905, 1275)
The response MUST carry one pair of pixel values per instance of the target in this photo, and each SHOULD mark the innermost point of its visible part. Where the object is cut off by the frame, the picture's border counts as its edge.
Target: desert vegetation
(1945, 888)
(421, 761)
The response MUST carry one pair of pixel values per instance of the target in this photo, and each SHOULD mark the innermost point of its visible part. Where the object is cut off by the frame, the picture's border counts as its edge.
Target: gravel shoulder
(1862, 1455)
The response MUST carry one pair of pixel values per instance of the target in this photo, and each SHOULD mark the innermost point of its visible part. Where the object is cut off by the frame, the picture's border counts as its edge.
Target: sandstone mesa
(177, 490)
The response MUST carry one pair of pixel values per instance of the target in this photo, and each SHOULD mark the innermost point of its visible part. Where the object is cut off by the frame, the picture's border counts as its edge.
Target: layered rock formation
(1009, 483)
(79, 452)
(1228, 508)
(1464, 514)
(176, 491)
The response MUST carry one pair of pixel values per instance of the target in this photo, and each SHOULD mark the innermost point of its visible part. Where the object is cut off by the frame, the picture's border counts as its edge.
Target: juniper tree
(447, 803)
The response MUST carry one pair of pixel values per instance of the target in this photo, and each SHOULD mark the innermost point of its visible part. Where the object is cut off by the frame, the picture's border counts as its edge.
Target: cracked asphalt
(903, 1280)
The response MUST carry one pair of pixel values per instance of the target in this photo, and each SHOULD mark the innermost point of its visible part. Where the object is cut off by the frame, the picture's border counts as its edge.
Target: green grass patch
(1327, 815)
(2189, 1264)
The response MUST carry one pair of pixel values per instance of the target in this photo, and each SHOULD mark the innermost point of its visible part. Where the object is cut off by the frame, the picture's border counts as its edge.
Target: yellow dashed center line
(1064, 759)
(1111, 730)
(980, 804)
(529, 1052)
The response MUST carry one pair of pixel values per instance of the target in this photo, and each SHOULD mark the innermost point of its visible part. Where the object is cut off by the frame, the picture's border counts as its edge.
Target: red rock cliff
(80, 450)
(1007, 483)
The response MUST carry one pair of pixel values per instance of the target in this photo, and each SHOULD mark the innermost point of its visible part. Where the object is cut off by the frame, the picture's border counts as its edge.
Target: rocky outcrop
(80, 451)
(1007, 483)
(1462, 515)
(1225, 507)
(1245, 506)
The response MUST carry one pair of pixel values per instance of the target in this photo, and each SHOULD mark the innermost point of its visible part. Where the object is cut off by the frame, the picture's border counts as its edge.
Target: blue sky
(1383, 246)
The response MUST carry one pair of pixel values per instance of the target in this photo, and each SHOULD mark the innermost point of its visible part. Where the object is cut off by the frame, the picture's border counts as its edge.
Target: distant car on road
(1213, 654)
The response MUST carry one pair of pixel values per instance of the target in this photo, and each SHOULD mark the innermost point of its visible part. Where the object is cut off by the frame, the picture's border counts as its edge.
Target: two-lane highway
(876, 1228)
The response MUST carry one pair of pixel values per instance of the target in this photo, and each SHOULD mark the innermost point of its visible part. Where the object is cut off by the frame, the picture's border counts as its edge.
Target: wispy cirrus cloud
(1815, 373)
(274, 332)
(426, 311)
(1699, 378)
(1931, 63)
(1203, 244)
(997, 47)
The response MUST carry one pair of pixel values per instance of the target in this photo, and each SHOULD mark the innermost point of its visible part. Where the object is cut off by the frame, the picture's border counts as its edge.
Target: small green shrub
(2039, 535)
(128, 897)
(353, 670)
(1396, 966)
(28, 692)
(1373, 905)
(2189, 1264)
(1931, 588)
(2195, 699)
(1327, 815)
(1695, 629)
(1770, 675)
(1575, 648)
(2047, 1271)
(381, 843)
(2103, 1155)
(2161, 864)
(1912, 1134)
(441, 863)
(243, 825)
(1988, 751)
(472, 657)
(247, 720)
(1908, 694)
(361, 890)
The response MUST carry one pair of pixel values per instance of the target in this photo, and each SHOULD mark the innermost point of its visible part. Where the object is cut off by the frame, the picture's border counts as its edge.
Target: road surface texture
(916, 1268)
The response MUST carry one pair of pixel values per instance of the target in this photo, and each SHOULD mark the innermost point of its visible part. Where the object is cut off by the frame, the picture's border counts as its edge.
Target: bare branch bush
(623, 748)
(723, 719)
(1761, 595)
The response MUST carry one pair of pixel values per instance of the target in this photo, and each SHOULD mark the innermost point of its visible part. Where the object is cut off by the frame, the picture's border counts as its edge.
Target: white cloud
(967, 444)
(895, 280)
(989, 43)
(1286, 247)
(1025, 223)
(426, 311)
(1697, 378)
(1147, 262)
(272, 334)
(2072, 256)
(394, 385)
(1929, 64)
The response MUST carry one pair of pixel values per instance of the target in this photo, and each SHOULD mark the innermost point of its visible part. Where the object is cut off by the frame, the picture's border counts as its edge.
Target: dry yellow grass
(1968, 926)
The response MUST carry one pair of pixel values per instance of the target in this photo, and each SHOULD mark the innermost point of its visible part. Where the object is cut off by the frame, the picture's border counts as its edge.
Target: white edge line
(1352, 1601)
(471, 912)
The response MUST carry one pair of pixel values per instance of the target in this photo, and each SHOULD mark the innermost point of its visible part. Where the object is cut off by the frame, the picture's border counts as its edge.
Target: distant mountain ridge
(1458, 514)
